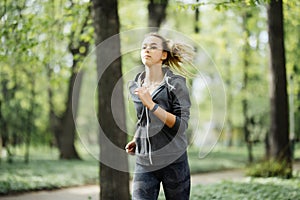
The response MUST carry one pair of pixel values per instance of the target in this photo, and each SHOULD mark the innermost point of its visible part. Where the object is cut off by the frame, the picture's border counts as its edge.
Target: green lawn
(220, 158)
(46, 174)
(45, 171)
(251, 189)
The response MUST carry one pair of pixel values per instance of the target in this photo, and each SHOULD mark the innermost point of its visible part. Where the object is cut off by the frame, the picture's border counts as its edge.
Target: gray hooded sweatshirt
(157, 144)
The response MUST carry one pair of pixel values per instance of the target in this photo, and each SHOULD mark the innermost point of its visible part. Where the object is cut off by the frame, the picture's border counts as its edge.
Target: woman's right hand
(130, 147)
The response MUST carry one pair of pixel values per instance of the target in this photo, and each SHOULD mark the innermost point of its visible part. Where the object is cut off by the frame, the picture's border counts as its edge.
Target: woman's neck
(154, 74)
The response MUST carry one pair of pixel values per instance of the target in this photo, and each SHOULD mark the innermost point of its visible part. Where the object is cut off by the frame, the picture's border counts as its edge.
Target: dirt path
(74, 193)
(215, 177)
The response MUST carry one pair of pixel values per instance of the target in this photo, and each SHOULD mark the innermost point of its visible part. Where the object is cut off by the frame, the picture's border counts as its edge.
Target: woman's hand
(145, 97)
(130, 147)
(167, 118)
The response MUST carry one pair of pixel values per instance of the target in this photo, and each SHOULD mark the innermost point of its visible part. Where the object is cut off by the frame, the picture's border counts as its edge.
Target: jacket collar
(168, 74)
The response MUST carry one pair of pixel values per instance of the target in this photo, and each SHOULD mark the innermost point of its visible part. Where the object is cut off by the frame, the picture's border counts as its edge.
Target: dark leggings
(175, 179)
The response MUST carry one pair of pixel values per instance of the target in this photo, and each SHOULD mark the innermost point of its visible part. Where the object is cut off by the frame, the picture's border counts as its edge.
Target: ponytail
(177, 54)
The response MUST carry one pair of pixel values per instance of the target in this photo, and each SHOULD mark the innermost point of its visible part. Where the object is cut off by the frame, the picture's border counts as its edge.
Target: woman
(163, 107)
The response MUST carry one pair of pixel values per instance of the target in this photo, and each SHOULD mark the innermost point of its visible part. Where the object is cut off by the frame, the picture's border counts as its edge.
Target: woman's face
(152, 51)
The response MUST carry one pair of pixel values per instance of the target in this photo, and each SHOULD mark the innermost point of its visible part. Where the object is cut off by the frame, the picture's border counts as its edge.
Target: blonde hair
(177, 54)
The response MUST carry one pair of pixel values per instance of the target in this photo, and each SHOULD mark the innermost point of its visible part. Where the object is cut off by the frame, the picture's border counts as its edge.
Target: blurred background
(48, 81)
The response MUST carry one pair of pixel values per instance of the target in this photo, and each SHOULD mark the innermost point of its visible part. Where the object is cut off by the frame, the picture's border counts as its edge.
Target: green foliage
(270, 168)
(44, 171)
(223, 37)
(220, 158)
(219, 5)
(252, 189)
(292, 47)
(130, 20)
(34, 56)
(46, 174)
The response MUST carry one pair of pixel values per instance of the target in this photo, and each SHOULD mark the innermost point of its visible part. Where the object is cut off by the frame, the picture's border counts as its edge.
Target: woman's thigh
(176, 181)
(146, 184)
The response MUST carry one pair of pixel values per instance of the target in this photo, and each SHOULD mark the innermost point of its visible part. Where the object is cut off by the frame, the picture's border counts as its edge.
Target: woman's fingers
(144, 95)
(130, 151)
(141, 91)
(130, 147)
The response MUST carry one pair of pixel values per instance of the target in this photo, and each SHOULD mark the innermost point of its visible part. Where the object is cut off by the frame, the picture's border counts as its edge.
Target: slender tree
(245, 103)
(114, 184)
(279, 130)
(197, 14)
(63, 125)
(157, 12)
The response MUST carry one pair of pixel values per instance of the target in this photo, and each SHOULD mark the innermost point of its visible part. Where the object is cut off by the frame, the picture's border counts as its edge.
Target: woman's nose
(147, 49)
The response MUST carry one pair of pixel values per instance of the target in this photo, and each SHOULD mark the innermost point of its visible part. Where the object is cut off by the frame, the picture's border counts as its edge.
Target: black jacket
(158, 144)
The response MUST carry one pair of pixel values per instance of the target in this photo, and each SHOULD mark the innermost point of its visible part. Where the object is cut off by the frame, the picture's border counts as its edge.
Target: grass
(250, 189)
(46, 174)
(45, 171)
(221, 158)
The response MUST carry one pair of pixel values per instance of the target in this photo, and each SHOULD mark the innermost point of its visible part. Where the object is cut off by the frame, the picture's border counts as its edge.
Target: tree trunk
(279, 130)
(157, 13)
(30, 117)
(114, 184)
(197, 14)
(228, 126)
(245, 106)
(1, 130)
(6, 130)
(67, 124)
(64, 127)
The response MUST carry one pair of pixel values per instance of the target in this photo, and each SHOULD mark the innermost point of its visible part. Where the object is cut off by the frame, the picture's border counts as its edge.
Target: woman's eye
(150, 47)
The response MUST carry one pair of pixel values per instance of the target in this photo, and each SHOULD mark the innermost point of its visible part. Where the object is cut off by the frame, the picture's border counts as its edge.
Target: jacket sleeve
(180, 100)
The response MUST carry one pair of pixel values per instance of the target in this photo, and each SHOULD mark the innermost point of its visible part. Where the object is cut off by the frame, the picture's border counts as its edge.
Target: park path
(91, 192)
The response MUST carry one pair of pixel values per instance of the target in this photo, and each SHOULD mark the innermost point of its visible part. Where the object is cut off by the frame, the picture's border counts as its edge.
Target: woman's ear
(164, 55)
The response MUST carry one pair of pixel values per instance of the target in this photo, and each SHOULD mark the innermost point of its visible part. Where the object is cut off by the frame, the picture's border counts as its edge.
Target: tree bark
(245, 105)
(64, 127)
(30, 116)
(197, 14)
(279, 130)
(157, 13)
(67, 124)
(228, 122)
(114, 184)
(1, 130)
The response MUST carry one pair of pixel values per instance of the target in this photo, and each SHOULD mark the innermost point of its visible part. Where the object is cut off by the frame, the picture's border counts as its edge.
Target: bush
(270, 168)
